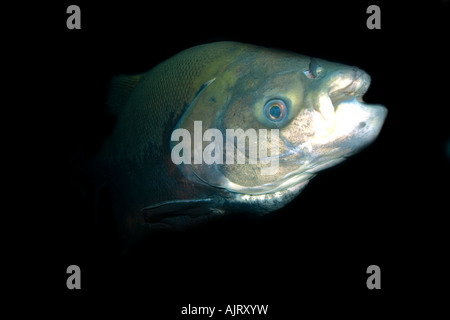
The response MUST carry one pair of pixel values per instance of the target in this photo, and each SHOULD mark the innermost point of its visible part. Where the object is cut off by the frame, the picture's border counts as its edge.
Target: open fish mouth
(355, 89)
(343, 88)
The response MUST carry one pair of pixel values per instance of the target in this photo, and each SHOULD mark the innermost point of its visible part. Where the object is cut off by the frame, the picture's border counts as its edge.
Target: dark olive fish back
(160, 97)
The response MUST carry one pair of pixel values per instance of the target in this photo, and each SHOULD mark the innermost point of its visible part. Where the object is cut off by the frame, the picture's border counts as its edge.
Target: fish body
(166, 162)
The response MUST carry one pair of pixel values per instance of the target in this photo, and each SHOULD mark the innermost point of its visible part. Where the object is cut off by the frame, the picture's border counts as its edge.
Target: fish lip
(355, 89)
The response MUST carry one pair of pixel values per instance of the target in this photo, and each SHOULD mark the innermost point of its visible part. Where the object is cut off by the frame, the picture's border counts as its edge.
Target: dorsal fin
(120, 89)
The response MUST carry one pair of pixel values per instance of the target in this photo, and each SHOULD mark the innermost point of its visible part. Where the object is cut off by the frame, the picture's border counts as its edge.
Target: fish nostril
(314, 69)
(361, 125)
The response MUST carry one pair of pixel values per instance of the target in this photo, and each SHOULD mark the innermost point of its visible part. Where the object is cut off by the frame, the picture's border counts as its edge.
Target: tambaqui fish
(310, 109)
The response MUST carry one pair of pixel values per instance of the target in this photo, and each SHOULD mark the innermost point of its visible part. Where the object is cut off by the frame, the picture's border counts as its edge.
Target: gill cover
(206, 107)
(252, 96)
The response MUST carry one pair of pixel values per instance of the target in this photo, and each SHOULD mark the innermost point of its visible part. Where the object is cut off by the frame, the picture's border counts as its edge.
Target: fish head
(278, 118)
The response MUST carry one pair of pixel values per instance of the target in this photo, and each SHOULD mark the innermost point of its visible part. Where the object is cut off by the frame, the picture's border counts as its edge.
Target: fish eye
(275, 110)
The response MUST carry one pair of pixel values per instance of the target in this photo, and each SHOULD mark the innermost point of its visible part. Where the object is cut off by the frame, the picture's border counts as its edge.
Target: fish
(166, 163)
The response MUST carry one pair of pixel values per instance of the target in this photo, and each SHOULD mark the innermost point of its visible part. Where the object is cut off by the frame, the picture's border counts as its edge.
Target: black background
(384, 206)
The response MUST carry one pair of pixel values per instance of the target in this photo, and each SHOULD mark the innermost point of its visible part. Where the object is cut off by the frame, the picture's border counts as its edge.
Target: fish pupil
(275, 112)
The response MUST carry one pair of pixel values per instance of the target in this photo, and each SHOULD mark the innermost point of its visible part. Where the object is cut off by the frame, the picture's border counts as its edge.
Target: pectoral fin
(175, 214)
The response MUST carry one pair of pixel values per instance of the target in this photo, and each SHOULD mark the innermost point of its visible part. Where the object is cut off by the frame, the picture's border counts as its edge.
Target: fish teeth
(326, 109)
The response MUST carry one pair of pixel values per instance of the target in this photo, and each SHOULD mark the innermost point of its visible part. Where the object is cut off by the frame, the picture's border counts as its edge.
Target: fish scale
(159, 98)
